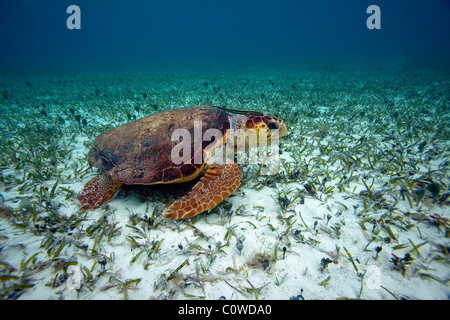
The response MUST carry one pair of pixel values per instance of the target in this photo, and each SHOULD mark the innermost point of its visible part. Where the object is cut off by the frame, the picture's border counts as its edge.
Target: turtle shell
(139, 152)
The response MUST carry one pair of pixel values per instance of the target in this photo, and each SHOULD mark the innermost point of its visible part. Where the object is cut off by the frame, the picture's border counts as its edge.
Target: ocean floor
(358, 209)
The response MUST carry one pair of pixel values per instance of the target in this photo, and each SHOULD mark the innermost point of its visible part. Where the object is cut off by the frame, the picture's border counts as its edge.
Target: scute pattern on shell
(139, 152)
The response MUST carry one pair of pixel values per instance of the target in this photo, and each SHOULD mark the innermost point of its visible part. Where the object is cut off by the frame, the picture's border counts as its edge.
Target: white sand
(298, 268)
(281, 253)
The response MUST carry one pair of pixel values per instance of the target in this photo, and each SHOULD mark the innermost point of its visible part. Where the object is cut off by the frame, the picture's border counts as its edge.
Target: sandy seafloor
(358, 209)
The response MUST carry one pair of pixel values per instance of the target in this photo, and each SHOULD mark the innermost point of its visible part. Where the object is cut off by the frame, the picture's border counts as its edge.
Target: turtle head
(255, 120)
(252, 126)
(265, 123)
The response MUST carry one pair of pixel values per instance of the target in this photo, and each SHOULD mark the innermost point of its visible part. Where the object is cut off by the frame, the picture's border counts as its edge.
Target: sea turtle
(142, 152)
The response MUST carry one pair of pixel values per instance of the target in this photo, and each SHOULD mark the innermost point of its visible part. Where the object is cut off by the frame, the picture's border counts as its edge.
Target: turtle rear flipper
(217, 184)
(97, 191)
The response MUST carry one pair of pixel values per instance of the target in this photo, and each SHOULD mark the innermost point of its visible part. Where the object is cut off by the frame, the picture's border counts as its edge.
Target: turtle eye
(273, 125)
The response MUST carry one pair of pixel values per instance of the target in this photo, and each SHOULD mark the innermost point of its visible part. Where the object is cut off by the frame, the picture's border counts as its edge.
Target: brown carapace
(140, 153)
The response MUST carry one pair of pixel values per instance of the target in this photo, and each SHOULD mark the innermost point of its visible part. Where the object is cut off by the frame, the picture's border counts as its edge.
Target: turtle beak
(282, 130)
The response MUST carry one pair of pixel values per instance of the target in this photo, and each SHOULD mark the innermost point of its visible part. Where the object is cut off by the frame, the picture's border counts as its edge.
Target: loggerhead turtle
(140, 152)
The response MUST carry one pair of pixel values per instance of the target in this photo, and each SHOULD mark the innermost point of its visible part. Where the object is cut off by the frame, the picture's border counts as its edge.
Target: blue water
(138, 33)
(364, 166)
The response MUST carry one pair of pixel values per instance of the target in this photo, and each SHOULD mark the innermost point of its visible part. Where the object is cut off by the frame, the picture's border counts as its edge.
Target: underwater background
(359, 207)
(117, 34)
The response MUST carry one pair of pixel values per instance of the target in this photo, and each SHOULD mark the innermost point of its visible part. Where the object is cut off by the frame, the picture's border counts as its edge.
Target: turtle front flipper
(97, 191)
(218, 183)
